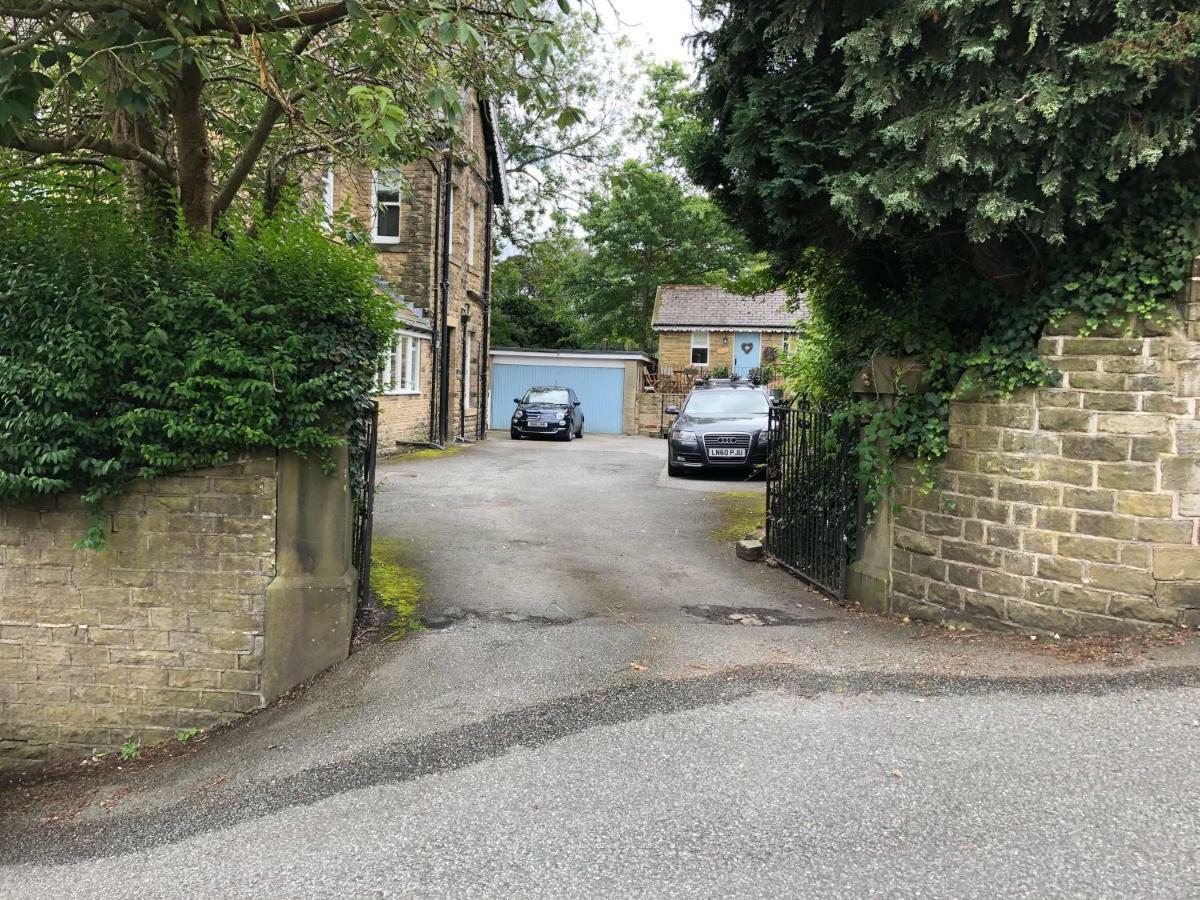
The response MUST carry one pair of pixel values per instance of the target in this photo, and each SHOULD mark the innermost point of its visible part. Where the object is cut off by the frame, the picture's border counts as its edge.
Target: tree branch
(42, 146)
(271, 112)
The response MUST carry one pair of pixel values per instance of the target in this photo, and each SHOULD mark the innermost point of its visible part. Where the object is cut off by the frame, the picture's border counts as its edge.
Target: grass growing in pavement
(397, 585)
(425, 453)
(741, 513)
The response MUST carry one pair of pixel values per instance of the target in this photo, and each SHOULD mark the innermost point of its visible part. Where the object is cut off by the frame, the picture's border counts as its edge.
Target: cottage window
(699, 348)
(385, 207)
(402, 366)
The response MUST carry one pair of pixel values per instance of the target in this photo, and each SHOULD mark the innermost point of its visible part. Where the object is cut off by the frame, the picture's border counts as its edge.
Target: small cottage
(710, 330)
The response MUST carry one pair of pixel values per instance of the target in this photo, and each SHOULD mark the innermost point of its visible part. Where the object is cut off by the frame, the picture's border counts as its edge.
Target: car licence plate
(537, 424)
(727, 452)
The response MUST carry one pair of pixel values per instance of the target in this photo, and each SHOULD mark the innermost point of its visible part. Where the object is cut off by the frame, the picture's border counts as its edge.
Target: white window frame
(467, 370)
(699, 346)
(469, 117)
(401, 373)
(450, 229)
(386, 179)
(327, 182)
(472, 209)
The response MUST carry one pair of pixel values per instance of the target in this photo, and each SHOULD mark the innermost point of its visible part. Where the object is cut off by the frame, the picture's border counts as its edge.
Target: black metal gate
(811, 495)
(364, 448)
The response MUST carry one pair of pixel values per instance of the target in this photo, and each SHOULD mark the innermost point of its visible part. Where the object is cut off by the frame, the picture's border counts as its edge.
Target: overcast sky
(655, 25)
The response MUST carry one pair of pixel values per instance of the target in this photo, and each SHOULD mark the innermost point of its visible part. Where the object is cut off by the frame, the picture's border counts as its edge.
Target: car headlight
(685, 437)
(562, 417)
(519, 414)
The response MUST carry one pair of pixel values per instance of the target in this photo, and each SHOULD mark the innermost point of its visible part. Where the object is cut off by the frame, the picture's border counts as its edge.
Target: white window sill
(401, 394)
(384, 239)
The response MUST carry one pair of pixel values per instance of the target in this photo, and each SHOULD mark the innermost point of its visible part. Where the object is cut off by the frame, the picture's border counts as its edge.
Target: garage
(606, 383)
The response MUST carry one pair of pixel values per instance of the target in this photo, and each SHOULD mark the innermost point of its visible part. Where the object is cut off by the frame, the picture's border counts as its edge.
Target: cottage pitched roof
(688, 307)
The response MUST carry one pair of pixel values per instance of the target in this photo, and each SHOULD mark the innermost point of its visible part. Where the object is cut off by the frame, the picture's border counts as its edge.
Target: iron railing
(364, 450)
(811, 495)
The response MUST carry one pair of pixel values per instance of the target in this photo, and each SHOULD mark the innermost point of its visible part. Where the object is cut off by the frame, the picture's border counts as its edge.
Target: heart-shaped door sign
(747, 347)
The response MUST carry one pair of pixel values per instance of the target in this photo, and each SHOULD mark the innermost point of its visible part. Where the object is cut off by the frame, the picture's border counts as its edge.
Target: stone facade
(411, 264)
(404, 418)
(675, 349)
(168, 626)
(1070, 509)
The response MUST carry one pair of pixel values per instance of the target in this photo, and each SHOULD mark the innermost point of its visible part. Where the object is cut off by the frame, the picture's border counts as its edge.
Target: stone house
(706, 328)
(430, 222)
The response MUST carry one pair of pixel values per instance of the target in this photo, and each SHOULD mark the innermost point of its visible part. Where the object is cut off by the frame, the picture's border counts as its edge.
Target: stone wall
(166, 628)
(162, 630)
(1069, 509)
(650, 418)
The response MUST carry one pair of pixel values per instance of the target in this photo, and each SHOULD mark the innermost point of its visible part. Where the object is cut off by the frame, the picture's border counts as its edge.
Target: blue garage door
(600, 390)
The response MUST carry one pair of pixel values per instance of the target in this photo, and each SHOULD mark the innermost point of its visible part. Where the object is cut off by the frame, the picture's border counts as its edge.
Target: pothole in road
(749, 616)
(453, 615)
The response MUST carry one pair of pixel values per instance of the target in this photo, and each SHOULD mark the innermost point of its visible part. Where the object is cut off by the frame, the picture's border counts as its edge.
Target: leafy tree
(558, 146)
(990, 126)
(533, 293)
(941, 180)
(643, 230)
(191, 97)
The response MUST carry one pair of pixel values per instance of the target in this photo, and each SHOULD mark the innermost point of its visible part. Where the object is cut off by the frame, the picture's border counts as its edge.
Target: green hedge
(122, 358)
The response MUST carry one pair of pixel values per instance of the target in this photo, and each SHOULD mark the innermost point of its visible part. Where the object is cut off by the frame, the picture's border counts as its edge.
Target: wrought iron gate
(364, 448)
(811, 495)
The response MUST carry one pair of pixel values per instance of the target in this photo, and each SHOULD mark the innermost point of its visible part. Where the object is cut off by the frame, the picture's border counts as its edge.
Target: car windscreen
(727, 403)
(547, 395)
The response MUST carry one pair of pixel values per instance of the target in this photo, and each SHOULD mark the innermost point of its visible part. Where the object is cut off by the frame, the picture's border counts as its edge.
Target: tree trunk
(153, 196)
(195, 155)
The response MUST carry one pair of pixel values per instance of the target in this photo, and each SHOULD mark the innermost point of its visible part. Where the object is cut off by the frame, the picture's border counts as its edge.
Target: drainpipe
(444, 363)
(434, 343)
(485, 342)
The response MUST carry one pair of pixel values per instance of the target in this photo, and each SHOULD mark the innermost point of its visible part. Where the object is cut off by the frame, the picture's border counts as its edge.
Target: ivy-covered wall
(1070, 508)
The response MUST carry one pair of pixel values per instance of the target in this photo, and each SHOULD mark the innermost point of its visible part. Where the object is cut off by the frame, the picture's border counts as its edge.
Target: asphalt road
(587, 720)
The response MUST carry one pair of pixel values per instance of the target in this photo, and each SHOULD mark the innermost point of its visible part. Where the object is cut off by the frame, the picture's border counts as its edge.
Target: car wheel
(580, 430)
(569, 435)
(514, 434)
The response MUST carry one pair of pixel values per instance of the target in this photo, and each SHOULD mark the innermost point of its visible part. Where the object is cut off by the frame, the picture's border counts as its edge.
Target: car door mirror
(672, 410)
(579, 403)
(516, 401)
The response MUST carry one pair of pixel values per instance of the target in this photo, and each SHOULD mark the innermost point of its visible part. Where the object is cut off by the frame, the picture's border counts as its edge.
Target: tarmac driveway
(576, 723)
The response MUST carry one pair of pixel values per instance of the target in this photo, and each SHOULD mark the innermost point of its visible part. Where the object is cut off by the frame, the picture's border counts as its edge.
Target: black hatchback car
(722, 426)
(548, 410)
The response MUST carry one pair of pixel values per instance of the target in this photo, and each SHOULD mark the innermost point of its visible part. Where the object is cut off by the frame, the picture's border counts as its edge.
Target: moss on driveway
(398, 587)
(741, 513)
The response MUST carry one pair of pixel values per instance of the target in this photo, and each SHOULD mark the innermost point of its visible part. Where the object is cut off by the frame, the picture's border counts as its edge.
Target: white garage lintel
(565, 358)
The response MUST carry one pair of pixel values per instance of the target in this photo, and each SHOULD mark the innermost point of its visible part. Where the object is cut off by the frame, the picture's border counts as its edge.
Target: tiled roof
(683, 307)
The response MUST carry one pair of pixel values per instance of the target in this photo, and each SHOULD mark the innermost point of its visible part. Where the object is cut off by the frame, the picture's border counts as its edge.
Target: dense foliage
(196, 99)
(533, 294)
(120, 357)
(942, 181)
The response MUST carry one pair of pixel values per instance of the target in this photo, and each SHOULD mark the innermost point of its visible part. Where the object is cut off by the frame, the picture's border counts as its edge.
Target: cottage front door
(747, 352)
